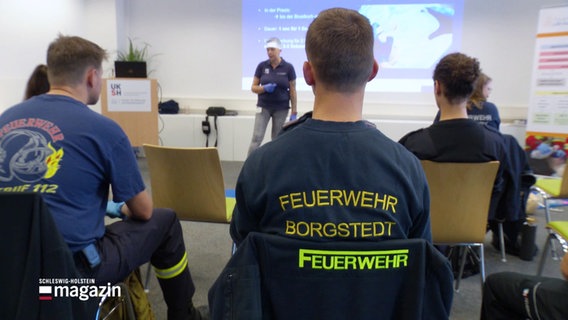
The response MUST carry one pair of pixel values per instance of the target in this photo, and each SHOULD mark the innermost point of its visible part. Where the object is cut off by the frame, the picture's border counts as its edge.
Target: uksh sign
(129, 95)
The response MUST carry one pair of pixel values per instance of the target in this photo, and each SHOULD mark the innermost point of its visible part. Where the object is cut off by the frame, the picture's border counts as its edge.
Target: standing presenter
(275, 84)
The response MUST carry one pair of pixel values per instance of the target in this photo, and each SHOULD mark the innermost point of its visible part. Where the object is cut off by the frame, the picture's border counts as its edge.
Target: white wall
(235, 132)
(197, 49)
(28, 26)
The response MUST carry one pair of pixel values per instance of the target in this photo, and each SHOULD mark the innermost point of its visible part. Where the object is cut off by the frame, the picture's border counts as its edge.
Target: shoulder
(286, 63)
(100, 125)
(492, 132)
(413, 136)
(288, 126)
(494, 137)
(261, 66)
(490, 107)
(288, 66)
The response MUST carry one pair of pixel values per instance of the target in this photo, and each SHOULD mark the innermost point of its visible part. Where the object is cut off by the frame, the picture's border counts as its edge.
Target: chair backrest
(564, 184)
(553, 186)
(32, 249)
(275, 277)
(189, 181)
(460, 195)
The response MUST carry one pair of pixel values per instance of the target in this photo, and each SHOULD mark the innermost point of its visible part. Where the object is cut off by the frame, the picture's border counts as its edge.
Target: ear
(91, 77)
(437, 88)
(308, 74)
(375, 70)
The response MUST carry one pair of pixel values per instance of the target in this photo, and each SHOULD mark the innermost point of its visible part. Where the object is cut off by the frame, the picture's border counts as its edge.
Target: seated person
(511, 207)
(37, 84)
(330, 175)
(55, 145)
(511, 295)
(456, 138)
(478, 108)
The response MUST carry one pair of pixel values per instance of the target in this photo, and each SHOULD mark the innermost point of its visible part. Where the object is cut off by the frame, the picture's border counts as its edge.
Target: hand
(293, 116)
(113, 209)
(269, 87)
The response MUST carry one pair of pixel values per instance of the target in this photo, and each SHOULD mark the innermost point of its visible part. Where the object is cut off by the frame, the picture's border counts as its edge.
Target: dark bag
(206, 126)
(216, 111)
(471, 266)
(168, 107)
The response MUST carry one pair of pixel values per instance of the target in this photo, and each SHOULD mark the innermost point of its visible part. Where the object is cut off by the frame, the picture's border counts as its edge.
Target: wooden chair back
(460, 194)
(189, 181)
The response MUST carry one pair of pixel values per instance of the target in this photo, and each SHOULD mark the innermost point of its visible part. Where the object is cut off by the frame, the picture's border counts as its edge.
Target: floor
(209, 248)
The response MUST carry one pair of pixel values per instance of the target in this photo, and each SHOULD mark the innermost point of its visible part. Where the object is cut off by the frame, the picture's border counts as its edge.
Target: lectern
(133, 104)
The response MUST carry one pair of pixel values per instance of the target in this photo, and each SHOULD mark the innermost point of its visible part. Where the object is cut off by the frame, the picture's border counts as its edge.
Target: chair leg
(544, 254)
(548, 218)
(480, 258)
(463, 253)
(553, 252)
(147, 281)
(125, 300)
(502, 243)
(482, 263)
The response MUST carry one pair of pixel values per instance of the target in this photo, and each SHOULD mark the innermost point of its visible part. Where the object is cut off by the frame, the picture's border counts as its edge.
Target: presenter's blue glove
(293, 116)
(113, 209)
(269, 87)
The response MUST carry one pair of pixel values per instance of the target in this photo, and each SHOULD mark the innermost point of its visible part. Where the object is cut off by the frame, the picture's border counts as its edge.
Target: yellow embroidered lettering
(296, 200)
(284, 200)
(367, 199)
(323, 198)
(332, 260)
(335, 197)
(310, 204)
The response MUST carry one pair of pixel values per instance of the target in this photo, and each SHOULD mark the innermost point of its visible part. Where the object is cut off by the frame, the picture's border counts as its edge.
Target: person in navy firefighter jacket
(330, 175)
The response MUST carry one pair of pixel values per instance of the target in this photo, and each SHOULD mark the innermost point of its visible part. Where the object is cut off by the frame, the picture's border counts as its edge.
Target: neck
(66, 91)
(448, 112)
(336, 106)
(275, 62)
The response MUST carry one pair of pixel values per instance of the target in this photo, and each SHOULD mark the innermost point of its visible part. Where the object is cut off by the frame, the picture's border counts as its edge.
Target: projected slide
(410, 37)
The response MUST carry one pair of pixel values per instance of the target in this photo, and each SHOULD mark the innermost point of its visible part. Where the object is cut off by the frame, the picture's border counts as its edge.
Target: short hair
(37, 83)
(339, 45)
(68, 58)
(458, 74)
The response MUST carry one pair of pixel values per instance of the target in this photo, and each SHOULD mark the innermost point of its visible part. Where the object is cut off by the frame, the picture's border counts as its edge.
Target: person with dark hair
(513, 295)
(330, 175)
(55, 145)
(37, 83)
(508, 204)
(478, 108)
(457, 138)
(274, 82)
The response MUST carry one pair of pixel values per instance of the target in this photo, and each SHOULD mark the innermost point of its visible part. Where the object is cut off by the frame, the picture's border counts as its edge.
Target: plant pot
(130, 69)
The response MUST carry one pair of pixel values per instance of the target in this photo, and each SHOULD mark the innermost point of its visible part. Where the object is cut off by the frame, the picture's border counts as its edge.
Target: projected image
(410, 37)
(400, 44)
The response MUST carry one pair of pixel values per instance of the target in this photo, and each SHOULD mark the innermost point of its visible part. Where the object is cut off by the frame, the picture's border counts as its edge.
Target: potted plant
(132, 63)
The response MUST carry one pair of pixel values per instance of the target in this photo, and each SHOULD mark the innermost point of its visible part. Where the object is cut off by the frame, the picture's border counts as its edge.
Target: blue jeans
(261, 121)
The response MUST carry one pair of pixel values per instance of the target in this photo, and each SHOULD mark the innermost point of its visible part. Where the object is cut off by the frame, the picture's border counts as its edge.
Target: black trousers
(511, 295)
(129, 244)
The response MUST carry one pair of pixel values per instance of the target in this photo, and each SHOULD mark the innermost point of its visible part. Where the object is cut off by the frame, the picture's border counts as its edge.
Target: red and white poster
(547, 121)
